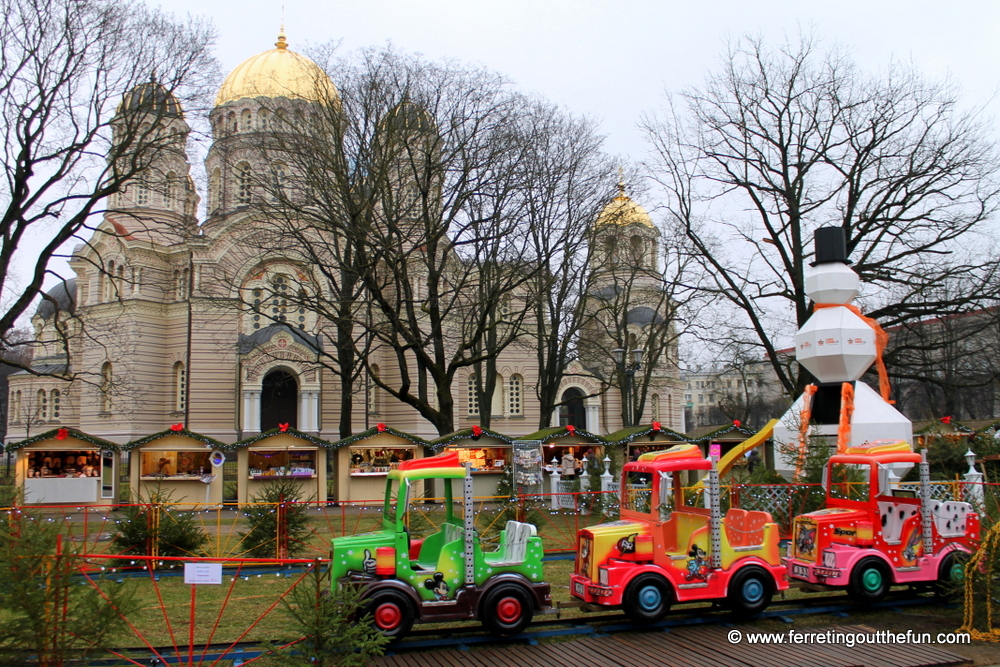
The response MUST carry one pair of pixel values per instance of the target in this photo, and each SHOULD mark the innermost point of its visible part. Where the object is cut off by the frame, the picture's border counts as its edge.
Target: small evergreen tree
(328, 620)
(156, 520)
(49, 617)
(279, 500)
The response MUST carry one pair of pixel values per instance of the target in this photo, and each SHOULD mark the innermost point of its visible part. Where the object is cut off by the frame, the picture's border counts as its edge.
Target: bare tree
(412, 198)
(783, 140)
(64, 70)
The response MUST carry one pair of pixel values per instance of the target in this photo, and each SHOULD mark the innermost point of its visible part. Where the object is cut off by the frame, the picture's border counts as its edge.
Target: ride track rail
(465, 634)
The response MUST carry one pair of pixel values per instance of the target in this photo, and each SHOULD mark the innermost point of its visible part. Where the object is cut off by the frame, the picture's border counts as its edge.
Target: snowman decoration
(837, 344)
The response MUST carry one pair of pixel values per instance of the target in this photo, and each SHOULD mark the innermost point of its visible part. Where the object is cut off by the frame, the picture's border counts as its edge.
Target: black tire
(391, 613)
(647, 599)
(750, 591)
(869, 581)
(506, 610)
(951, 574)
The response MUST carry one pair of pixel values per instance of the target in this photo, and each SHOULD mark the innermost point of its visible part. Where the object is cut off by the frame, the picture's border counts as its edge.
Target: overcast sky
(613, 60)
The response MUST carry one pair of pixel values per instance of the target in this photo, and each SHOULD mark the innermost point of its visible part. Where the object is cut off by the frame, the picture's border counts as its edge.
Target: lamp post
(628, 374)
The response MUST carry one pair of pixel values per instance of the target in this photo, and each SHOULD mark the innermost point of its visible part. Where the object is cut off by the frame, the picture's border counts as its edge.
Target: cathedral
(179, 314)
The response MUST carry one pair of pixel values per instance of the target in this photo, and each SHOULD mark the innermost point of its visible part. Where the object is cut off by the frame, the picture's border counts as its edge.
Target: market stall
(283, 454)
(488, 453)
(364, 460)
(66, 466)
(176, 464)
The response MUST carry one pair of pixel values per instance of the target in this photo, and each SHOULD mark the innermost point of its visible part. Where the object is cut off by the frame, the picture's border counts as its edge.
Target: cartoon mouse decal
(697, 567)
(806, 541)
(438, 585)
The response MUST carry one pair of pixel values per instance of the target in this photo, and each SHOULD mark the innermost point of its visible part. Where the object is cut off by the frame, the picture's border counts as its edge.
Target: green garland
(372, 432)
(561, 432)
(211, 442)
(295, 433)
(466, 434)
(100, 443)
(674, 436)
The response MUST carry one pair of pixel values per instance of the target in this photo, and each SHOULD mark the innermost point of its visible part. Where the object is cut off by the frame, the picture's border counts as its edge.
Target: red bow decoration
(946, 420)
(476, 431)
(62, 434)
(283, 428)
(380, 427)
(656, 426)
(570, 429)
(736, 423)
(176, 428)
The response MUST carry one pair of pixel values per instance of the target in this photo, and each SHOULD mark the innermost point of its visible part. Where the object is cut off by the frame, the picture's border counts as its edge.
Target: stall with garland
(487, 452)
(283, 453)
(65, 465)
(364, 460)
(562, 444)
(638, 440)
(177, 464)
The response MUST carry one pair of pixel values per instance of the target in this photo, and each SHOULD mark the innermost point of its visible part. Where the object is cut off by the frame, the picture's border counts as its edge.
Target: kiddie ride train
(871, 535)
(662, 551)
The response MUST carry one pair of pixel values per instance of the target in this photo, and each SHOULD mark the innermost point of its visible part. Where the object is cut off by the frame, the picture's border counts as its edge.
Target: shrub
(260, 540)
(156, 519)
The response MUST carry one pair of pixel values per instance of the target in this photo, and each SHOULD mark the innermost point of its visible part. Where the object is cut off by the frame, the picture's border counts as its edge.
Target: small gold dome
(623, 211)
(278, 73)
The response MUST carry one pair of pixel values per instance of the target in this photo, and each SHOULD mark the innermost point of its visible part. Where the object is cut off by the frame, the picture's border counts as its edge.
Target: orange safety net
(804, 418)
(846, 412)
(881, 341)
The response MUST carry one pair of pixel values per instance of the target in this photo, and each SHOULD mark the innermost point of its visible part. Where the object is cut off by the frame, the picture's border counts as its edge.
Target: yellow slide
(727, 462)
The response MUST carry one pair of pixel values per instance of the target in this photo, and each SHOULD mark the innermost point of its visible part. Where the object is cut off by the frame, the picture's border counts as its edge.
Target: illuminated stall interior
(66, 466)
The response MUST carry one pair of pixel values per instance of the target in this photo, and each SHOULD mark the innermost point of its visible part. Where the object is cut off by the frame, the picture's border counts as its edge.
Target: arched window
(244, 183)
(670, 410)
(16, 412)
(514, 389)
(233, 125)
(654, 407)
(55, 398)
(42, 409)
(611, 251)
(572, 411)
(263, 119)
(373, 392)
(180, 387)
(215, 190)
(109, 283)
(107, 379)
(279, 400)
(473, 396)
(141, 195)
(247, 119)
(638, 250)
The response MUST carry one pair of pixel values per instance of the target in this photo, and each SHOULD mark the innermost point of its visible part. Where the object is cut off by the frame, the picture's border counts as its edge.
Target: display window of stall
(174, 464)
(485, 459)
(271, 463)
(378, 460)
(64, 463)
(568, 459)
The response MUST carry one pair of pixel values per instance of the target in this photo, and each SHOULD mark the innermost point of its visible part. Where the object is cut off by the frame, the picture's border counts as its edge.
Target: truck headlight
(602, 576)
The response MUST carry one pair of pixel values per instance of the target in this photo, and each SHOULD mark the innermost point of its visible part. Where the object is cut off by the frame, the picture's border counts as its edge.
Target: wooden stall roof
(280, 433)
(177, 430)
(568, 435)
(62, 434)
(377, 433)
(469, 437)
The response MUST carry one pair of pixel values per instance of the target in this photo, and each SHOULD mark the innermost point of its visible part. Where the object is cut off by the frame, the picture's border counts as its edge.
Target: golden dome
(278, 73)
(623, 211)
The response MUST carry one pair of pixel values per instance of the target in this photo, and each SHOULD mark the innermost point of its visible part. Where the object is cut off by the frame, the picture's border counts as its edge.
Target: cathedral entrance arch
(279, 400)
(572, 412)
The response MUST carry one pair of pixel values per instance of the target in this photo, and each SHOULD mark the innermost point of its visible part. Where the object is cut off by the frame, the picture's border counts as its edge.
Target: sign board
(202, 573)
(714, 450)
